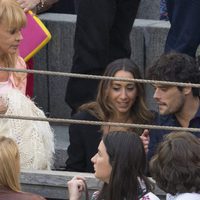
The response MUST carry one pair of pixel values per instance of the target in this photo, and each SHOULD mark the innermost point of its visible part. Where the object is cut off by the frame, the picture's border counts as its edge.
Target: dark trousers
(184, 34)
(101, 36)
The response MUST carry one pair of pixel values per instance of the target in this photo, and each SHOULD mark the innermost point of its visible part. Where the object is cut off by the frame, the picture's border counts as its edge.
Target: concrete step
(61, 145)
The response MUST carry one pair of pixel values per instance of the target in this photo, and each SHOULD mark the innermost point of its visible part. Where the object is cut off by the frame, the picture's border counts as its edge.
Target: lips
(123, 104)
(15, 46)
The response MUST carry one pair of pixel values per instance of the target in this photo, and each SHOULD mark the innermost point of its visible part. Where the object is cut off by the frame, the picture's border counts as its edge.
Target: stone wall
(53, 184)
(149, 9)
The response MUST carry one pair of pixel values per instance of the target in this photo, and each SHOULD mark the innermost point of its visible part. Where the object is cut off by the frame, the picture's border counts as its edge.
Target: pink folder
(35, 36)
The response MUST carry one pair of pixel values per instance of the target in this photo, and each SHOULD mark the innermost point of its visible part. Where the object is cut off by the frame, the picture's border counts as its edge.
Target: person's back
(176, 166)
(10, 188)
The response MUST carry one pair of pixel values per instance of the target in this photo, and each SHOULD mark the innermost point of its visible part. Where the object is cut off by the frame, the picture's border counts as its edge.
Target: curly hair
(176, 165)
(175, 67)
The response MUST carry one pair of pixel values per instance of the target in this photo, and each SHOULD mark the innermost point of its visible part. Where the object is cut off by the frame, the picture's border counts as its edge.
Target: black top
(84, 142)
(157, 135)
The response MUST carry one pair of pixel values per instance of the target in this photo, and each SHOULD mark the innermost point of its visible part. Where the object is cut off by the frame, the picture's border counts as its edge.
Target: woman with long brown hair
(120, 164)
(116, 101)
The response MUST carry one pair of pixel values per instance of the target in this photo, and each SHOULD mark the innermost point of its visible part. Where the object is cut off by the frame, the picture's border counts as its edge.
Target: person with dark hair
(184, 33)
(117, 101)
(176, 166)
(102, 35)
(178, 106)
(120, 163)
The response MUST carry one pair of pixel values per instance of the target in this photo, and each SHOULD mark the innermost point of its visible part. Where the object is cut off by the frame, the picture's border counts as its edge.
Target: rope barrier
(86, 76)
(100, 123)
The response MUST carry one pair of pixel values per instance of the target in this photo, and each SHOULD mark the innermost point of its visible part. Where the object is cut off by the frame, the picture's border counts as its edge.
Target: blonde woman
(10, 172)
(35, 139)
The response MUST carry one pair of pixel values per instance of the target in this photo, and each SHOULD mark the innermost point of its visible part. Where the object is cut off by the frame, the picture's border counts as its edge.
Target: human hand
(76, 186)
(145, 139)
(28, 4)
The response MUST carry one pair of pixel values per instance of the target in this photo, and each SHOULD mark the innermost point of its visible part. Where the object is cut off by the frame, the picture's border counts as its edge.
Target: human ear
(187, 90)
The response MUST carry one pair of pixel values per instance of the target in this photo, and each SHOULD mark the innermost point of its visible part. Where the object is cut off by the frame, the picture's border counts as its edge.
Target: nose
(19, 36)
(93, 159)
(123, 94)
(156, 94)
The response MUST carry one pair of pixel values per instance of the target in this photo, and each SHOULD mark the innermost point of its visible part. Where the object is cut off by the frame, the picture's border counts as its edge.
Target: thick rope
(86, 122)
(86, 76)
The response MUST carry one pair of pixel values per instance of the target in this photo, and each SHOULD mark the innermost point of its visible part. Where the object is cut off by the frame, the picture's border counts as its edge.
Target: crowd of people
(121, 157)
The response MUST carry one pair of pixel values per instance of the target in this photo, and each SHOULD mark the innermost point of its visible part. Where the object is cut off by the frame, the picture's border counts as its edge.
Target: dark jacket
(157, 135)
(84, 141)
(6, 194)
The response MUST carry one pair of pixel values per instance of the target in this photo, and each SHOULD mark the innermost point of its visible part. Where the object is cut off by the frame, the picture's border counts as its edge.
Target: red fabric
(30, 79)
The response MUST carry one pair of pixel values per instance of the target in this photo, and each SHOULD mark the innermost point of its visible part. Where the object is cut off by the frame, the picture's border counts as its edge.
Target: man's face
(170, 99)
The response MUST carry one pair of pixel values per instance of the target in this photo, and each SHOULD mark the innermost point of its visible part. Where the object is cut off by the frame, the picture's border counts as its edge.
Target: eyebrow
(118, 84)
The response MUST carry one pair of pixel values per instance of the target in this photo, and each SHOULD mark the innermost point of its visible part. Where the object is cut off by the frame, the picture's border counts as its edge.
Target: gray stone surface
(53, 184)
(60, 59)
(155, 36)
(149, 9)
(59, 53)
(61, 144)
(41, 91)
(137, 47)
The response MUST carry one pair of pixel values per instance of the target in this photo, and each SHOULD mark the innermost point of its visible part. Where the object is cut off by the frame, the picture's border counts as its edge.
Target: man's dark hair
(176, 67)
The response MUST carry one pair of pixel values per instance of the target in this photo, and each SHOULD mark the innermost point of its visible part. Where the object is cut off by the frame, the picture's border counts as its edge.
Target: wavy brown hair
(104, 110)
(176, 165)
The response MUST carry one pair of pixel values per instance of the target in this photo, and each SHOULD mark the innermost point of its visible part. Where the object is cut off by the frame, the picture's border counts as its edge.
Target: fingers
(78, 182)
(145, 133)
(28, 4)
(145, 140)
(76, 186)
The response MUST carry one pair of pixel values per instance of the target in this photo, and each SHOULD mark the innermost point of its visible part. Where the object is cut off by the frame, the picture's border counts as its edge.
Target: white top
(5, 86)
(35, 139)
(149, 196)
(184, 196)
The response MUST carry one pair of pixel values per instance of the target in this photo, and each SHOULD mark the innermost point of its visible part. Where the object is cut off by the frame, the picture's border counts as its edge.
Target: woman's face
(9, 39)
(102, 167)
(122, 94)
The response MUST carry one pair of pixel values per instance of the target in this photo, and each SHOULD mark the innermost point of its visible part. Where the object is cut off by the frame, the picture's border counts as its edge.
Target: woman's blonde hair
(10, 164)
(14, 17)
